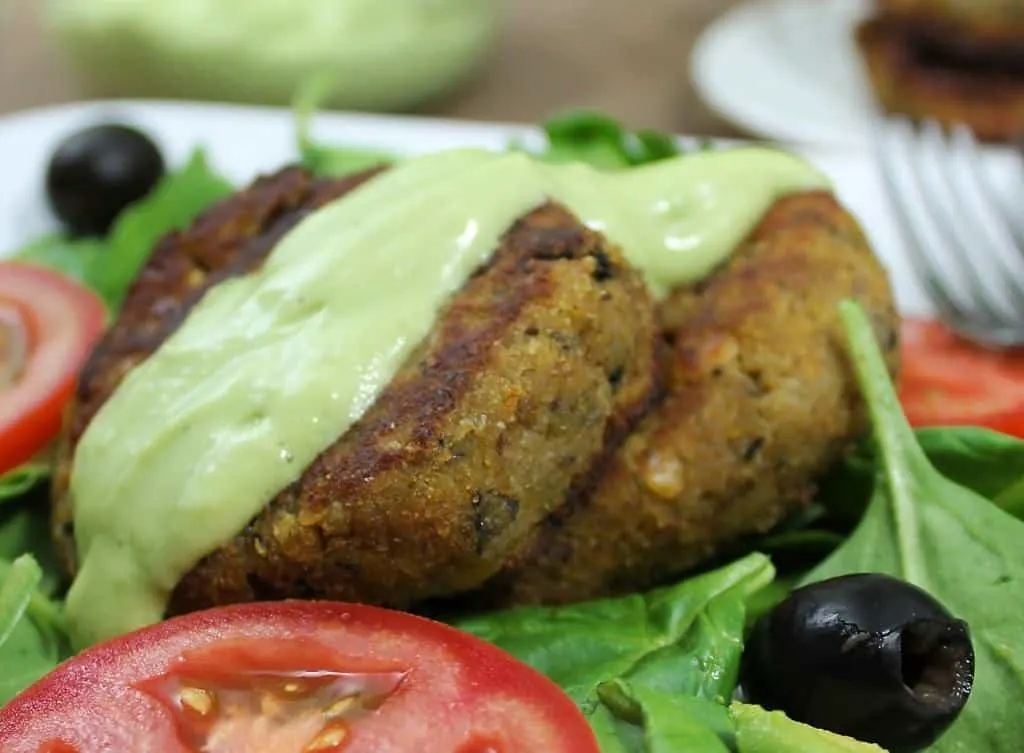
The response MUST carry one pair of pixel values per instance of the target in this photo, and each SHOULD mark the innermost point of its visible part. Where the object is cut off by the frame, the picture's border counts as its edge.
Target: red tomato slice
(48, 323)
(948, 381)
(295, 677)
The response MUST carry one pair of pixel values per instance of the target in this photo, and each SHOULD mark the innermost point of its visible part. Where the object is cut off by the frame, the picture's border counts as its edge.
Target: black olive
(95, 173)
(867, 656)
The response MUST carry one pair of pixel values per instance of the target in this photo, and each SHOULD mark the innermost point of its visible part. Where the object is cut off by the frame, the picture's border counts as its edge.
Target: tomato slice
(295, 677)
(48, 323)
(948, 381)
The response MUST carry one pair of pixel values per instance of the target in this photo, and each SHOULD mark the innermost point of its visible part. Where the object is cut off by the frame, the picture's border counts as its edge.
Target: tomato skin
(948, 381)
(459, 692)
(63, 320)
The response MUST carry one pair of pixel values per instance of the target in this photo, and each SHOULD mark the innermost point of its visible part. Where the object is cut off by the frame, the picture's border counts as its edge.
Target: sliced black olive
(95, 173)
(867, 656)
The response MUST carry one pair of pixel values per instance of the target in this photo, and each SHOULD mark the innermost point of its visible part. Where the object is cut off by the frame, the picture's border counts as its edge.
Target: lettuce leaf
(664, 648)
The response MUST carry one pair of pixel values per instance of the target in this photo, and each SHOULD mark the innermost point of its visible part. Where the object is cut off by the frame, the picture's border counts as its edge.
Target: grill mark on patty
(431, 396)
(442, 380)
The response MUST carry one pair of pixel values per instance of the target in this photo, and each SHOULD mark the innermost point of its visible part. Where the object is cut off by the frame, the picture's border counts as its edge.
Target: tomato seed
(303, 711)
(328, 739)
(197, 700)
(342, 707)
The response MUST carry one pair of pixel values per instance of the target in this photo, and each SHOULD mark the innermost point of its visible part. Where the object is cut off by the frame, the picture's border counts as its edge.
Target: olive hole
(931, 658)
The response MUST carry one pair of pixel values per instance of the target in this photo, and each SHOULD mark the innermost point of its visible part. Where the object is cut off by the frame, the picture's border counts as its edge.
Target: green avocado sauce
(379, 54)
(270, 369)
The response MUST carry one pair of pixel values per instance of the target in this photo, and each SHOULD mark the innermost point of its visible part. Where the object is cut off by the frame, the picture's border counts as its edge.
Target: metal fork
(966, 242)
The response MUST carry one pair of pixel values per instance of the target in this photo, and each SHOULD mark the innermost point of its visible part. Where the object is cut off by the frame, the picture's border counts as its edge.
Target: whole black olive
(95, 173)
(867, 656)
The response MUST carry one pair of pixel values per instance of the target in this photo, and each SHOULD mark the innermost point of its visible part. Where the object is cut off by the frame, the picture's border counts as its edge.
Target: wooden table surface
(629, 58)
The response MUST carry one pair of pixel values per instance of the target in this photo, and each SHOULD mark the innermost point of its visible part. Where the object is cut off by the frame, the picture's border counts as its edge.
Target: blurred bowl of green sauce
(379, 55)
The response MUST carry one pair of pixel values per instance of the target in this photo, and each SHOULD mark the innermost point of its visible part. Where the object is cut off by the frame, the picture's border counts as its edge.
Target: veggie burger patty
(532, 375)
(761, 400)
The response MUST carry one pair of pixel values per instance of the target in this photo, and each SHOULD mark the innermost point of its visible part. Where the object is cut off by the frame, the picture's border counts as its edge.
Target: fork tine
(1010, 213)
(890, 146)
(963, 222)
(1011, 216)
(940, 203)
(979, 207)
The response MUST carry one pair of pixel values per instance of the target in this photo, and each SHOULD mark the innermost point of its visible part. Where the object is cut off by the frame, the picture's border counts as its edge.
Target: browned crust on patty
(230, 239)
(991, 103)
(978, 21)
(761, 400)
(541, 363)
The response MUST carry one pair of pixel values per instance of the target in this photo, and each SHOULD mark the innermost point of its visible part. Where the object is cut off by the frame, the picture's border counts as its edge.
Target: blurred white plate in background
(788, 70)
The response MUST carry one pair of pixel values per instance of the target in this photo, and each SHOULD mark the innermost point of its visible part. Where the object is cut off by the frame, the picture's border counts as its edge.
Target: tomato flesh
(14, 343)
(948, 381)
(295, 677)
(238, 698)
(48, 324)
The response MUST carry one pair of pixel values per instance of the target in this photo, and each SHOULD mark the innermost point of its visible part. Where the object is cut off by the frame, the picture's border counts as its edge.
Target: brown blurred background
(629, 58)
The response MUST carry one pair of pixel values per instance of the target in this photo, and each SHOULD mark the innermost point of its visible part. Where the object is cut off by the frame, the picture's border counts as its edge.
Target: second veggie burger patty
(761, 400)
(532, 373)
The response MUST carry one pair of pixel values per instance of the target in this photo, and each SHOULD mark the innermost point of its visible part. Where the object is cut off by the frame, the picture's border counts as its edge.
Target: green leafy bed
(653, 672)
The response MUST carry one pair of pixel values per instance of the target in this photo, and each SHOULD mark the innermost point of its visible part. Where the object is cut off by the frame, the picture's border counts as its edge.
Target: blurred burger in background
(957, 61)
(382, 55)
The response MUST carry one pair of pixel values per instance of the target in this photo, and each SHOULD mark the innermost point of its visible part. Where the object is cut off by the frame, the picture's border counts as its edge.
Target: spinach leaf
(760, 731)
(802, 544)
(1011, 499)
(329, 161)
(989, 463)
(602, 142)
(25, 529)
(25, 521)
(172, 205)
(586, 137)
(18, 482)
(948, 540)
(769, 597)
(28, 655)
(670, 722)
(682, 640)
(15, 593)
(578, 136)
(31, 628)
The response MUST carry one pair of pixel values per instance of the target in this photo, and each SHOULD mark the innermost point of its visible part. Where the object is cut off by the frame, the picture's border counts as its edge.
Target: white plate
(788, 70)
(245, 141)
